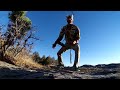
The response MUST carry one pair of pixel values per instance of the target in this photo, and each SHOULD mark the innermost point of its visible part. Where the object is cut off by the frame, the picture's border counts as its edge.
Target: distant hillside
(112, 65)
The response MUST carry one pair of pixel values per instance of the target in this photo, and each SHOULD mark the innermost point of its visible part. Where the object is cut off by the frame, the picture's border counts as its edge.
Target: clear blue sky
(100, 34)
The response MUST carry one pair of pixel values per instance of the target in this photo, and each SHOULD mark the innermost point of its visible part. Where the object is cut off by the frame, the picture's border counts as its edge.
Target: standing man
(72, 37)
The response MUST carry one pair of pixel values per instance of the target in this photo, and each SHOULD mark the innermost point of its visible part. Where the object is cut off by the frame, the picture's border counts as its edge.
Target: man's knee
(58, 54)
(77, 48)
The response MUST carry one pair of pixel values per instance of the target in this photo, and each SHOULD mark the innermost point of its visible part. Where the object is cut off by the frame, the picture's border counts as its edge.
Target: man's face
(69, 20)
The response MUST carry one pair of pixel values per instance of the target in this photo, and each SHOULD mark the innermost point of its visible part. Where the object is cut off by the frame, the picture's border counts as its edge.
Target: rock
(87, 66)
(100, 66)
(111, 71)
(112, 66)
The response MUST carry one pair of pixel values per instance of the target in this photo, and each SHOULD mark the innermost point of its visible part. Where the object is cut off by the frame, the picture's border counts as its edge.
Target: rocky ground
(110, 71)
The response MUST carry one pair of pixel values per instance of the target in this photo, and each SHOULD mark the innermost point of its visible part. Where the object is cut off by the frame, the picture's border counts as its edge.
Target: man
(72, 37)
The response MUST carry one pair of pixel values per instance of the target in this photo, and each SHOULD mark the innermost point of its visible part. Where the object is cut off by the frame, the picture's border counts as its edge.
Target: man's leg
(76, 48)
(63, 49)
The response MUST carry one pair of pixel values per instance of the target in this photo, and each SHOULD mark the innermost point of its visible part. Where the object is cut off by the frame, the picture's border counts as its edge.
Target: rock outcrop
(110, 71)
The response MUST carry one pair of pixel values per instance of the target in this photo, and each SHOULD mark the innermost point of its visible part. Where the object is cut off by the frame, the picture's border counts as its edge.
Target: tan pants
(75, 47)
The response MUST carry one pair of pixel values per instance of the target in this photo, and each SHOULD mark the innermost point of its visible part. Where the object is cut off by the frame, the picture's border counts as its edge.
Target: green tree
(36, 57)
(19, 24)
(19, 34)
(47, 61)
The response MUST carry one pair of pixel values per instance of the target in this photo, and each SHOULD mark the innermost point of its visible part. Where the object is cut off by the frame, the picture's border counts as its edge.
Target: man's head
(70, 19)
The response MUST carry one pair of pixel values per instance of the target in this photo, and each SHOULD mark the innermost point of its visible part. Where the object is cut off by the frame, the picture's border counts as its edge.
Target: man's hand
(73, 42)
(54, 45)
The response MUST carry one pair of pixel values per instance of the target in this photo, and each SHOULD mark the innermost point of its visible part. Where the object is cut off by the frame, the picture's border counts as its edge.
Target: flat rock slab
(9, 71)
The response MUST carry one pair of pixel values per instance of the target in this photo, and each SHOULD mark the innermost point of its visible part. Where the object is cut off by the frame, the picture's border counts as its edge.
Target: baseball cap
(70, 17)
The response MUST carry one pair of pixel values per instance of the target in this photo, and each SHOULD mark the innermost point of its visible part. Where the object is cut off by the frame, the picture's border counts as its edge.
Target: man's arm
(57, 41)
(77, 35)
(59, 38)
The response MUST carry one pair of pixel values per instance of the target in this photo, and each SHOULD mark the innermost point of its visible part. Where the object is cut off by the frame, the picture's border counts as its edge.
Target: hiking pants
(75, 47)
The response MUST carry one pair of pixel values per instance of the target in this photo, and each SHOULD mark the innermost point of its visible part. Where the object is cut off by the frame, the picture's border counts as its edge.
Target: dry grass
(25, 61)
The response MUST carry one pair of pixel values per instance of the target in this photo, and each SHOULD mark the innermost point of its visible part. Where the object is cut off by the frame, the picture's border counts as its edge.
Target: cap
(70, 16)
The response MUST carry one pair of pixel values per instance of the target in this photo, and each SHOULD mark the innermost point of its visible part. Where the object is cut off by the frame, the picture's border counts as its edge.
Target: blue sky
(100, 34)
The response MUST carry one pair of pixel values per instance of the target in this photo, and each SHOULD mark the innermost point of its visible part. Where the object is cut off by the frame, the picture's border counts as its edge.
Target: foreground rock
(9, 71)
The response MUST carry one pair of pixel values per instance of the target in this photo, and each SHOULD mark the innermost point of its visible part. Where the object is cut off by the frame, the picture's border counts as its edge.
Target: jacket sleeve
(61, 35)
(77, 34)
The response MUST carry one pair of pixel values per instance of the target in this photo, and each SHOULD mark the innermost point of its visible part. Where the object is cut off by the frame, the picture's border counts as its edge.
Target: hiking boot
(60, 65)
(75, 68)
